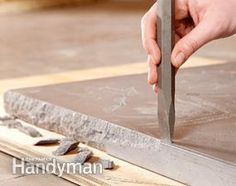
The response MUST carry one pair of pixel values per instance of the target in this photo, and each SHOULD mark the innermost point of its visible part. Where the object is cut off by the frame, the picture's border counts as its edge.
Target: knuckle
(144, 19)
(189, 46)
(151, 81)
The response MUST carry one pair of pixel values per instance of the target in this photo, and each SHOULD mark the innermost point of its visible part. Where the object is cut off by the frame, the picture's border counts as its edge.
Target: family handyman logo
(38, 166)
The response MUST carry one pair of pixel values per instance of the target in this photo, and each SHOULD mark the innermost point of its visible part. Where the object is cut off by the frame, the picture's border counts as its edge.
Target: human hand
(197, 22)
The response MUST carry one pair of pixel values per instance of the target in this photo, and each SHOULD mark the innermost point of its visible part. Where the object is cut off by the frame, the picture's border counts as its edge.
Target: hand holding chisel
(195, 24)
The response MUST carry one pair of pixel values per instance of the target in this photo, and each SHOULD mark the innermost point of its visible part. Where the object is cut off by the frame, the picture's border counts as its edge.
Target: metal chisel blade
(166, 72)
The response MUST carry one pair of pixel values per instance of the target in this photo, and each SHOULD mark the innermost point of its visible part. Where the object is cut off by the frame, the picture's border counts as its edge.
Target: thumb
(190, 43)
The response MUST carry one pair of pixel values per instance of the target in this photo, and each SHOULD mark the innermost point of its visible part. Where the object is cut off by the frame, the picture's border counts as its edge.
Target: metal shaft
(166, 72)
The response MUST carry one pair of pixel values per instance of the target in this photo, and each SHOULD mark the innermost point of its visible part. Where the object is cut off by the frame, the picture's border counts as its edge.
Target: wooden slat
(90, 74)
(20, 145)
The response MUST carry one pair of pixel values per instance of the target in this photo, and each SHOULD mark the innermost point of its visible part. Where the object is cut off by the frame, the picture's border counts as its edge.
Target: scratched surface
(205, 105)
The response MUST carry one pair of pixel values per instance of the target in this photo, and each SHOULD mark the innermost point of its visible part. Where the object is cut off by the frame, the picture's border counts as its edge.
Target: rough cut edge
(93, 131)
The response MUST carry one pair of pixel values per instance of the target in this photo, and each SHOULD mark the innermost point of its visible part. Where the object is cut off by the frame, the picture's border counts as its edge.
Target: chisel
(166, 71)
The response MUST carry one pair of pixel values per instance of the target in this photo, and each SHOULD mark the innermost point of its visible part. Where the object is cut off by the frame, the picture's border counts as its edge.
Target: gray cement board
(119, 116)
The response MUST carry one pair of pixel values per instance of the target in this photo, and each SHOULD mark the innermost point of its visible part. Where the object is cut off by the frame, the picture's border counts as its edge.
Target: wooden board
(20, 145)
(94, 73)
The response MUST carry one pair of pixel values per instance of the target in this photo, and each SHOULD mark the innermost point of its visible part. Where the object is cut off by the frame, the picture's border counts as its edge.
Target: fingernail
(155, 88)
(179, 59)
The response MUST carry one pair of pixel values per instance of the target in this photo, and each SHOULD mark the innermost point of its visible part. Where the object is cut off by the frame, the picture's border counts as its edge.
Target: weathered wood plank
(21, 146)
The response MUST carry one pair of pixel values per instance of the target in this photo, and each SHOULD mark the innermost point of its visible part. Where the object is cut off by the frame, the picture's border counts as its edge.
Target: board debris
(65, 147)
(83, 155)
(49, 141)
